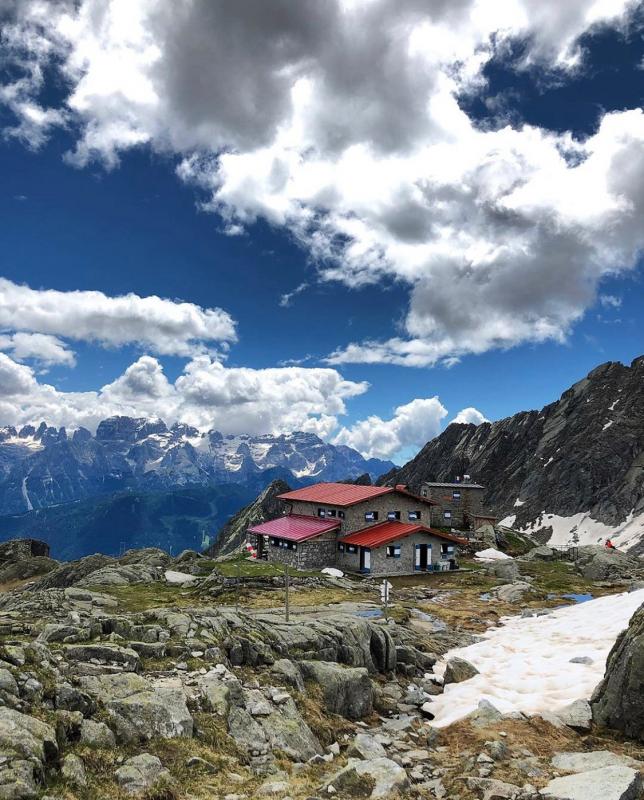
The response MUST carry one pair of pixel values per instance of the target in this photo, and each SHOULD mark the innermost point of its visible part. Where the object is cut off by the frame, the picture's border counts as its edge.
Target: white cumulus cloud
(412, 425)
(166, 327)
(344, 126)
(45, 350)
(470, 416)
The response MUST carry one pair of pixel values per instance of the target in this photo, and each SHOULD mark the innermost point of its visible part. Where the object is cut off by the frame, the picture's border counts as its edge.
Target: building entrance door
(365, 559)
(423, 557)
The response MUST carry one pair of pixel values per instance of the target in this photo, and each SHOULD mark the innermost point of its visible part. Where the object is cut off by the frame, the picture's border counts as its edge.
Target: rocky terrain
(575, 466)
(179, 678)
(44, 466)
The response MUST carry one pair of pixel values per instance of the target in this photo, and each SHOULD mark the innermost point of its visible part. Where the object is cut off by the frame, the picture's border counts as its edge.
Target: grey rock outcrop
(618, 701)
(607, 783)
(346, 691)
(597, 563)
(375, 778)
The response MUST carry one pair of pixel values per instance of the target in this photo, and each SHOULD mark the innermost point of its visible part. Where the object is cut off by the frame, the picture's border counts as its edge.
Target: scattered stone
(607, 783)
(73, 770)
(458, 670)
(140, 773)
(366, 747)
(577, 715)
(96, 734)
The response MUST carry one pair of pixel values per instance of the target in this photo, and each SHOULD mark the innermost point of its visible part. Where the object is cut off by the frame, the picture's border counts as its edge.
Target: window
(331, 512)
(371, 516)
(274, 541)
(341, 547)
(412, 516)
(351, 548)
(447, 514)
(424, 493)
(393, 551)
(291, 545)
(341, 514)
(456, 495)
(393, 515)
(321, 512)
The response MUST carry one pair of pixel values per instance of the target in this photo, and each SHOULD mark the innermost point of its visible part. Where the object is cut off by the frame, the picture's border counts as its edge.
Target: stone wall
(354, 516)
(314, 554)
(405, 565)
(470, 501)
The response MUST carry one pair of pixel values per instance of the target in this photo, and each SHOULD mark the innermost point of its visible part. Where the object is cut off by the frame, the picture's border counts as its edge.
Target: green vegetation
(240, 564)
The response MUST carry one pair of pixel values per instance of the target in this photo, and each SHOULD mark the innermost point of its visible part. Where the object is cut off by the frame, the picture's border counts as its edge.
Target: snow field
(525, 665)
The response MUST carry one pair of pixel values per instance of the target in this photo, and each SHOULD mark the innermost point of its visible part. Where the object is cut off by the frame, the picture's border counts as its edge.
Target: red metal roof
(295, 527)
(385, 532)
(336, 494)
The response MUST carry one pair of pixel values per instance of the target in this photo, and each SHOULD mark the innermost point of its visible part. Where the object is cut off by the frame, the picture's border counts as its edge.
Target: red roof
(344, 494)
(384, 532)
(295, 527)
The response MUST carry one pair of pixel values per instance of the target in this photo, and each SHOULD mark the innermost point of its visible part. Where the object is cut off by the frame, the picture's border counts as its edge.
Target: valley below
(181, 678)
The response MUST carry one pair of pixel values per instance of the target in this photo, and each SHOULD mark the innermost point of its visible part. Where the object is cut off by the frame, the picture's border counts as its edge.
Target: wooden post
(286, 608)
(237, 586)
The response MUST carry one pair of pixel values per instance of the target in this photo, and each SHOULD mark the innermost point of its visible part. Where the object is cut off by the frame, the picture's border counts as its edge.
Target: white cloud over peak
(412, 425)
(207, 395)
(470, 416)
(344, 126)
(166, 327)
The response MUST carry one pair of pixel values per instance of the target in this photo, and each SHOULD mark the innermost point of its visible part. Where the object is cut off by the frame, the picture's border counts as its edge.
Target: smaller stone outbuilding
(397, 548)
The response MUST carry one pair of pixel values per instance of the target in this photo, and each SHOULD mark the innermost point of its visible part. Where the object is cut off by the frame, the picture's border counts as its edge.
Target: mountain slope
(576, 466)
(265, 507)
(44, 467)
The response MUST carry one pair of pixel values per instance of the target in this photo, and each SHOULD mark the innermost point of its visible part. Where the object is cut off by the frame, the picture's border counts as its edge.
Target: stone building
(376, 530)
(458, 502)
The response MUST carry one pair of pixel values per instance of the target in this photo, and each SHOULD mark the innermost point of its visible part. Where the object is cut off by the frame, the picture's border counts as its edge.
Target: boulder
(597, 563)
(618, 701)
(18, 781)
(375, 778)
(124, 657)
(141, 773)
(138, 710)
(286, 730)
(577, 715)
(595, 759)
(96, 734)
(505, 570)
(607, 783)
(458, 670)
(25, 737)
(492, 789)
(289, 673)
(513, 592)
(542, 553)
(346, 690)
(366, 747)
(73, 770)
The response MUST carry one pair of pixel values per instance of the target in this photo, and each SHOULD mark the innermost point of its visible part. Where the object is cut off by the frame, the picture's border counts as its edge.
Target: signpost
(385, 589)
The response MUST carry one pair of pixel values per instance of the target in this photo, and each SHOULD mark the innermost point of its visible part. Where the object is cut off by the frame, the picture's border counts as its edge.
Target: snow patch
(518, 503)
(491, 554)
(589, 530)
(332, 572)
(179, 577)
(508, 522)
(25, 494)
(608, 424)
(525, 665)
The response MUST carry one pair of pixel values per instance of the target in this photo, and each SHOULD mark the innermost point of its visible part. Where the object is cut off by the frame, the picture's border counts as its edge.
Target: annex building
(372, 530)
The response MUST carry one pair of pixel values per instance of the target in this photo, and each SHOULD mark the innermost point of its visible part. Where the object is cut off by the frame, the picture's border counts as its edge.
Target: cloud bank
(344, 126)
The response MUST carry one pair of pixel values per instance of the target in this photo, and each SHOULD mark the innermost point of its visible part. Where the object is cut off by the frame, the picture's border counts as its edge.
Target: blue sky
(85, 209)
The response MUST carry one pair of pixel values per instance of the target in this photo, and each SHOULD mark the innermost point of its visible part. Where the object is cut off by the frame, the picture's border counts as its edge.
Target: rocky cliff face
(264, 508)
(575, 467)
(44, 466)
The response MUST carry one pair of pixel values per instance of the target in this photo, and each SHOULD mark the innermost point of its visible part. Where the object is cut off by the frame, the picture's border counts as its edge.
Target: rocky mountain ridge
(576, 467)
(44, 466)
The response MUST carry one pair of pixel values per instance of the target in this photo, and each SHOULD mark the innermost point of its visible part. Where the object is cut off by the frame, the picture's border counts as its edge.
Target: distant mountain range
(573, 469)
(139, 483)
(44, 466)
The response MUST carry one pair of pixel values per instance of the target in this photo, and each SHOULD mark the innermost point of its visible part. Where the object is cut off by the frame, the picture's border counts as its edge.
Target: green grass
(249, 568)
(141, 596)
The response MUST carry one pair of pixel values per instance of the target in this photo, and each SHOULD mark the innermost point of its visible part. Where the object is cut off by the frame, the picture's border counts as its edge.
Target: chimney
(401, 487)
